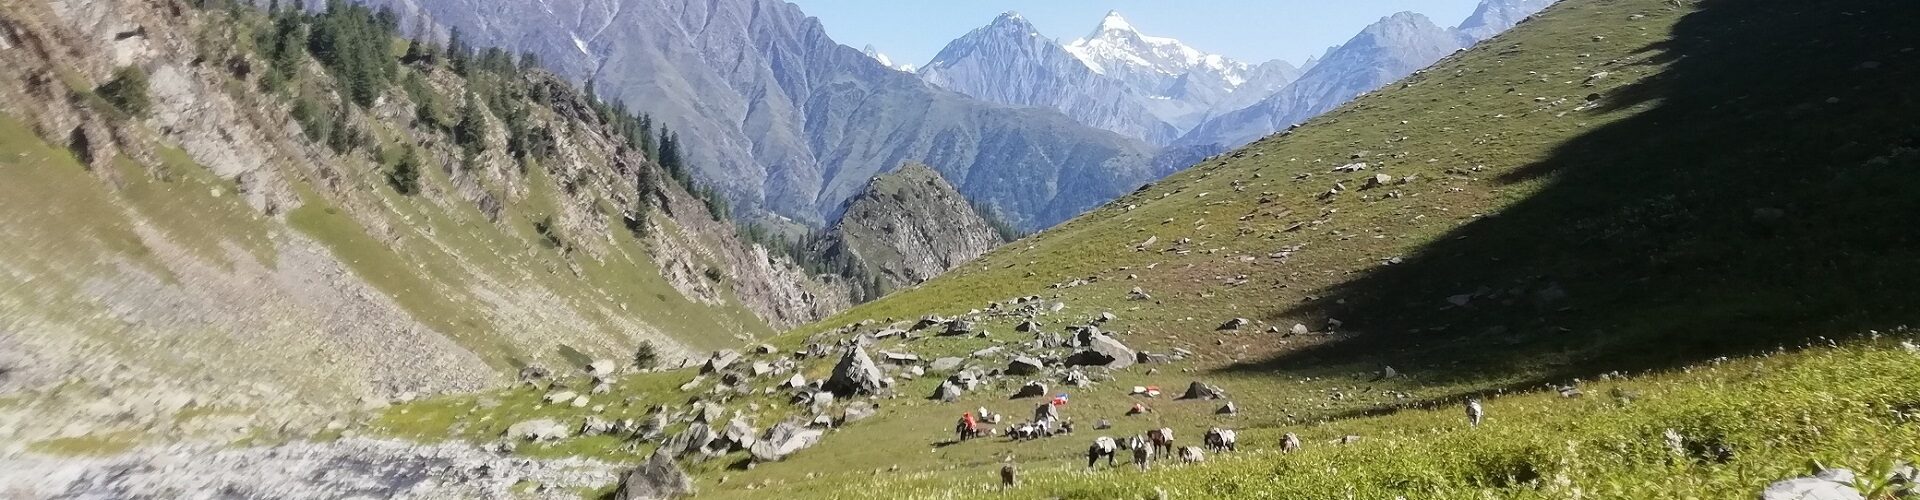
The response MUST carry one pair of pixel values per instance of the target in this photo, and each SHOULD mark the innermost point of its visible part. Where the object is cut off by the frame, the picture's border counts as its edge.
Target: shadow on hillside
(1745, 210)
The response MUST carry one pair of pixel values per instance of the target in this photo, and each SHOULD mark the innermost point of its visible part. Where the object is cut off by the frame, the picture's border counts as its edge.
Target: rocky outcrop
(855, 374)
(909, 226)
(658, 479)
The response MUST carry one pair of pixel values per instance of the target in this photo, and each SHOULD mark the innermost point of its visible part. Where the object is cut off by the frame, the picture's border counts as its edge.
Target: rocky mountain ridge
(180, 241)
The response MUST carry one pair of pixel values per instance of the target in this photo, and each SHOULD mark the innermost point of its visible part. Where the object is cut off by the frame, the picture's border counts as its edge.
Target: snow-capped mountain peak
(1113, 22)
(877, 55)
(1117, 48)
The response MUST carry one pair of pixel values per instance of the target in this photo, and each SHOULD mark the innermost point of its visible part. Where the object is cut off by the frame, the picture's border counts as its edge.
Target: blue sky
(912, 31)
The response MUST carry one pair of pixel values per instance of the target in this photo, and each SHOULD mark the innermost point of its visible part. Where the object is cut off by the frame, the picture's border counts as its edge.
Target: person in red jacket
(969, 427)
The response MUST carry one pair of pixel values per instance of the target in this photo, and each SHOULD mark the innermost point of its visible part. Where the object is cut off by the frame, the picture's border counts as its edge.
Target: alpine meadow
(654, 249)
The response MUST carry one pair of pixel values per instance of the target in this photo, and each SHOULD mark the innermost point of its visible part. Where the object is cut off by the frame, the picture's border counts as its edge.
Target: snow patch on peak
(875, 53)
(1113, 22)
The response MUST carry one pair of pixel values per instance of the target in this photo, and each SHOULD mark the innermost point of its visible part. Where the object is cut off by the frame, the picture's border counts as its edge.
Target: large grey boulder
(739, 435)
(1234, 324)
(944, 365)
(1103, 350)
(959, 327)
(544, 429)
(1830, 484)
(708, 413)
(720, 361)
(784, 439)
(948, 392)
(1201, 390)
(697, 438)
(1024, 365)
(855, 374)
(658, 479)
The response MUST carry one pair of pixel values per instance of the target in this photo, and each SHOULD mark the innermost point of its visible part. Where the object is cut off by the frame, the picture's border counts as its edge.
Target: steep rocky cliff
(909, 226)
(187, 226)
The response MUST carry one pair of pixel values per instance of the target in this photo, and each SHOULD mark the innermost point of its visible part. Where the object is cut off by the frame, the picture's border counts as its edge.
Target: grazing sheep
(1475, 413)
(1102, 446)
(1219, 439)
(1142, 451)
(1192, 455)
(1290, 443)
(1162, 440)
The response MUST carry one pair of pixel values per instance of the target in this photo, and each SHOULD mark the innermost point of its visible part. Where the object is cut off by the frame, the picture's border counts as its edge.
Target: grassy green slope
(1617, 185)
(1720, 189)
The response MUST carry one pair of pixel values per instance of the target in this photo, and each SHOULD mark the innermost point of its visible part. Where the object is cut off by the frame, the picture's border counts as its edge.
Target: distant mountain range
(789, 123)
(1164, 92)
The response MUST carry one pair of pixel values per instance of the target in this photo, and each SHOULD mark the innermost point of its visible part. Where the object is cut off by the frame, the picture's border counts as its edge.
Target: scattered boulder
(760, 368)
(720, 361)
(531, 373)
(558, 397)
(658, 479)
(544, 429)
(1105, 351)
(1033, 389)
(739, 434)
(601, 368)
(1024, 365)
(928, 322)
(1105, 316)
(602, 388)
(697, 438)
(1376, 181)
(795, 382)
(1300, 329)
(855, 374)
(595, 426)
(1234, 324)
(959, 327)
(1202, 390)
(857, 411)
(946, 364)
(765, 349)
(1138, 294)
(1830, 484)
(1228, 409)
(900, 358)
(1076, 378)
(1027, 327)
(948, 392)
(708, 413)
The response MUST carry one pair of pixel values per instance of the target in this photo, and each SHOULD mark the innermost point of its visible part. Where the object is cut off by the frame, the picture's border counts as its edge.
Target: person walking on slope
(1474, 412)
(969, 427)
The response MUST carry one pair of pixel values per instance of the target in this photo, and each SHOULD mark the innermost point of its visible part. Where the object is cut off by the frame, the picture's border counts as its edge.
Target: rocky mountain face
(1009, 62)
(1384, 52)
(1115, 78)
(909, 226)
(1495, 16)
(776, 113)
(210, 250)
